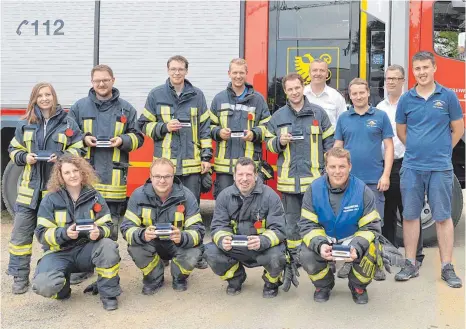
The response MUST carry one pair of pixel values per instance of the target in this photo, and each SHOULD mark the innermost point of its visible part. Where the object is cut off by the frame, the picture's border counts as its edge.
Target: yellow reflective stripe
(133, 217)
(270, 145)
(103, 220)
(20, 250)
(330, 131)
(146, 270)
(271, 278)
(206, 143)
(63, 140)
(26, 175)
(110, 188)
(106, 231)
(119, 126)
(60, 217)
(320, 275)
(165, 112)
(315, 131)
(51, 239)
(194, 129)
(72, 151)
(77, 145)
(116, 177)
(149, 115)
(45, 222)
(14, 142)
(205, 116)
(368, 235)
(108, 272)
(192, 170)
(284, 174)
(129, 234)
(292, 244)
(23, 199)
(223, 124)
(166, 146)
(110, 195)
(87, 126)
(91, 214)
(13, 154)
(44, 193)
(26, 191)
(146, 215)
(220, 234)
(230, 273)
(182, 269)
(264, 120)
(179, 219)
(361, 278)
(368, 218)
(272, 237)
(213, 118)
(312, 234)
(56, 295)
(194, 235)
(150, 128)
(192, 220)
(134, 141)
(309, 215)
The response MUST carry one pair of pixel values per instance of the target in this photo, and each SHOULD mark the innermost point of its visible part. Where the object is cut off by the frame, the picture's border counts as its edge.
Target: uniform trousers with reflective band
(222, 181)
(20, 246)
(52, 277)
(229, 265)
(322, 276)
(148, 258)
(117, 210)
(292, 204)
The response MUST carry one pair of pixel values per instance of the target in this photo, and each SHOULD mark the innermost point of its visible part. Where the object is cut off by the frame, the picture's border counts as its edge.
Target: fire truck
(60, 41)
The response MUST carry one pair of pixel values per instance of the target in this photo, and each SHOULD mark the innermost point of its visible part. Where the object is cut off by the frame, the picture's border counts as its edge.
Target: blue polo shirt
(363, 136)
(428, 139)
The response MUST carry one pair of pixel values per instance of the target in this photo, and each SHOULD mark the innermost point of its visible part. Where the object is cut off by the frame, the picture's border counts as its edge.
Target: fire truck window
(449, 35)
(313, 19)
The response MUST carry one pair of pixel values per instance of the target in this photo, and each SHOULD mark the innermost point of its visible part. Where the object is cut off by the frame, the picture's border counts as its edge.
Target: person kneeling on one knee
(251, 214)
(339, 207)
(163, 222)
(73, 226)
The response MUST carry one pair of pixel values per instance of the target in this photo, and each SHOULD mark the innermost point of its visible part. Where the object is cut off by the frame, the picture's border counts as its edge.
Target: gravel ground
(424, 303)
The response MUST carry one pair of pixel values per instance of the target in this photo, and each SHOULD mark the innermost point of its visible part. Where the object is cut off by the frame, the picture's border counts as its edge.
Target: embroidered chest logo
(371, 123)
(439, 104)
(353, 207)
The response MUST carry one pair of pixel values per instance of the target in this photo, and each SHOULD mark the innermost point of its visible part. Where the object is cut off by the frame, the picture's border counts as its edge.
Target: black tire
(429, 233)
(10, 186)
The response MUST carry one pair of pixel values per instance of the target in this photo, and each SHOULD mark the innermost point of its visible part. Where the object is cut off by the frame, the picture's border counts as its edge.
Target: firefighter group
(343, 174)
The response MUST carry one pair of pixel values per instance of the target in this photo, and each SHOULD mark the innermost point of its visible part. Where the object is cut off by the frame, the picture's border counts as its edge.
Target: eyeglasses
(105, 81)
(394, 79)
(158, 178)
(174, 69)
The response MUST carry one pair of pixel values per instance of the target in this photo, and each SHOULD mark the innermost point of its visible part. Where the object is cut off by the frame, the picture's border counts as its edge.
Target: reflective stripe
(110, 195)
(146, 270)
(304, 182)
(320, 275)
(330, 131)
(272, 237)
(149, 115)
(263, 121)
(134, 141)
(110, 188)
(87, 126)
(165, 113)
(223, 144)
(182, 269)
(361, 277)
(194, 235)
(119, 126)
(284, 173)
(206, 143)
(76, 145)
(309, 215)
(91, 214)
(204, 116)
(133, 217)
(13, 154)
(146, 215)
(26, 191)
(312, 234)
(20, 250)
(129, 234)
(14, 142)
(368, 235)
(213, 118)
(108, 272)
(45, 222)
(220, 234)
(315, 132)
(192, 220)
(56, 295)
(44, 193)
(230, 273)
(51, 239)
(23, 199)
(63, 140)
(60, 217)
(106, 231)
(368, 218)
(292, 244)
(179, 219)
(271, 278)
(103, 220)
(150, 129)
(73, 151)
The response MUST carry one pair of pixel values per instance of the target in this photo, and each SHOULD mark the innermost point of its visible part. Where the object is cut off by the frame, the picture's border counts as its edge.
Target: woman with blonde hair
(43, 137)
(74, 226)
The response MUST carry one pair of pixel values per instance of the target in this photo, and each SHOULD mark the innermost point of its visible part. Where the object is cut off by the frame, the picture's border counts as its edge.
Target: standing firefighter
(339, 208)
(300, 133)
(163, 201)
(238, 116)
(252, 211)
(46, 133)
(71, 204)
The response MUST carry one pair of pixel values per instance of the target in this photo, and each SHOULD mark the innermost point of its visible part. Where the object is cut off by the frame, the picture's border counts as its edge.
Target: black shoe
(344, 270)
(150, 289)
(110, 303)
(322, 295)
(450, 277)
(234, 288)
(359, 295)
(180, 284)
(407, 272)
(77, 278)
(202, 264)
(166, 262)
(20, 285)
(270, 290)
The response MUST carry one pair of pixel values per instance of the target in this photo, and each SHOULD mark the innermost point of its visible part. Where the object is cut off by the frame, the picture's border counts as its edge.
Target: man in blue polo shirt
(429, 121)
(361, 130)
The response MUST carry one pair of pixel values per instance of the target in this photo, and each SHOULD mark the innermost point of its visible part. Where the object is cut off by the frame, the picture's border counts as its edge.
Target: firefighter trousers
(322, 276)
(117, 210)
(52, 277)
(20, 246)
(193, 183)
(292, 204)
(229, 265)
(222, 181)
(147, 257)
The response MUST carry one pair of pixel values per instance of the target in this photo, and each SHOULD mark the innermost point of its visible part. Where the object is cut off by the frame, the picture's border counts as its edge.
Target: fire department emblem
(303, 63)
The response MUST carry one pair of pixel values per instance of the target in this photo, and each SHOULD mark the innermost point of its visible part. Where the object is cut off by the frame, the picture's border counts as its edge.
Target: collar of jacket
(308, 108)
(187, 92)
(85, 195)
(336, 190)
(177, 190)
(39, 115)
(258, 189)
(249, 93)
(93, 96)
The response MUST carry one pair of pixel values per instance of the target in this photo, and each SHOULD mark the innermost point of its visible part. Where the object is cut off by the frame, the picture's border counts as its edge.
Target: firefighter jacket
(340, 214)
(105, 120)
(146, 209)
(57, 212)
(249, 113)
(59, 134)
(302, 160)
(260, 213)
(190, 145)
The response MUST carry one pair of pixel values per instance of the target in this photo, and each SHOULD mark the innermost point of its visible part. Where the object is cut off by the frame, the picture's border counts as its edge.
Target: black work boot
(150, 289)
(180, 284)
(20, 285)
(234, 287)
(359, 294)
(202, 264)
(110, 303)
(270, 290)
(77, 278)
(322, 295)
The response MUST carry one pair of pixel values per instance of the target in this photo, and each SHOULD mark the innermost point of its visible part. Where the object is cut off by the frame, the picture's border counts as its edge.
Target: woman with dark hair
(45, 134)
(73, 226)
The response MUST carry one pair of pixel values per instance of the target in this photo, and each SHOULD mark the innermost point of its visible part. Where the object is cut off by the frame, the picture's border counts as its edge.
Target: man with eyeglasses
(394, 81)
(111, 133)
(163, 200)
